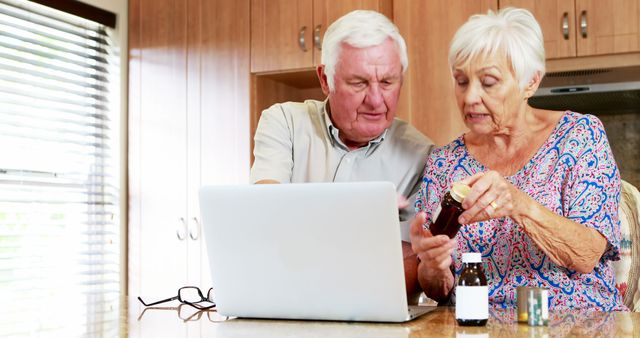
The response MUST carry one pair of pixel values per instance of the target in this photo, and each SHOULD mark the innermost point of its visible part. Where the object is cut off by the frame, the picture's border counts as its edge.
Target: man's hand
(403, 202)
(267, 181)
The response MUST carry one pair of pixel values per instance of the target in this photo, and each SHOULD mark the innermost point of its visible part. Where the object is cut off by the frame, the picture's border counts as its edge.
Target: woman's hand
(491, 196)
(434, 252)
(567, 243)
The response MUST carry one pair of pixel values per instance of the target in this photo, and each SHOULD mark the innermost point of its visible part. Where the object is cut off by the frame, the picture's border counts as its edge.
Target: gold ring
(494, 205)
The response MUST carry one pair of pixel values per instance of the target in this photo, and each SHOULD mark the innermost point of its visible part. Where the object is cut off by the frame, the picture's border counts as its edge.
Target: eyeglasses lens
(190, 295)
(210, 295)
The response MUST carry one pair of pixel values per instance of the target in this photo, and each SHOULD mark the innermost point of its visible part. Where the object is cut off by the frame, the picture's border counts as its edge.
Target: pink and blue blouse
(573, 174)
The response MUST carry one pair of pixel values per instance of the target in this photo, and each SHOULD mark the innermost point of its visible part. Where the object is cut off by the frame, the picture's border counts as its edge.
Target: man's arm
(273, 147)
(407, 214)
(411, 273)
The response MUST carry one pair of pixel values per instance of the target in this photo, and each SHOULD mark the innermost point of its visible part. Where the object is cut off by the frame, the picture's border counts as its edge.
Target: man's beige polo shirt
(296, 142)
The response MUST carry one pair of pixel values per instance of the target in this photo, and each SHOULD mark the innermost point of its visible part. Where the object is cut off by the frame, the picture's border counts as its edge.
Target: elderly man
(353, 135)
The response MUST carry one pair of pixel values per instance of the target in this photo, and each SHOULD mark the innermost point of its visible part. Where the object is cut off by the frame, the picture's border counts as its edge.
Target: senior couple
(545, 188)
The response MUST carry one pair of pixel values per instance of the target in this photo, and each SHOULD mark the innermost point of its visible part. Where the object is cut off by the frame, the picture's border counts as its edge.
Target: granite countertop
(182, 320)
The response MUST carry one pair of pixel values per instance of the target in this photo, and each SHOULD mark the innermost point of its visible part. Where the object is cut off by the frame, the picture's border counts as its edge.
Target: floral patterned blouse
(573, 174)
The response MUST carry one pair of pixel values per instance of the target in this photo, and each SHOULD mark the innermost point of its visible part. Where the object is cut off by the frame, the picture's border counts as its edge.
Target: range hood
(590, 91)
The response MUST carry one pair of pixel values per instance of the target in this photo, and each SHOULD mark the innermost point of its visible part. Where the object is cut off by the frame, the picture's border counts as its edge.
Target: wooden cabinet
(585, 27)
(287, 34)
(158, 146)
(557, 20)
(611, 27)
(188, 126)
(158, 263)
(427, 99)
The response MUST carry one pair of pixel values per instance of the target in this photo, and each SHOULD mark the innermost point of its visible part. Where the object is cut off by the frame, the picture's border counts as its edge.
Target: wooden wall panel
(427, 99)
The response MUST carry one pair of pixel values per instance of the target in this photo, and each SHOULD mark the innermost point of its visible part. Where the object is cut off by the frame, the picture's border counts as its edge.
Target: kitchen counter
(184, 321)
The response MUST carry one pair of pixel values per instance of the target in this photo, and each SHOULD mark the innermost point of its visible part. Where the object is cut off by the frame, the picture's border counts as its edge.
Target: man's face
(367, 88)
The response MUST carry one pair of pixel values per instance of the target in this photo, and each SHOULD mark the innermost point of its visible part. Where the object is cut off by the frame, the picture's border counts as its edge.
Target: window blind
(59, 174)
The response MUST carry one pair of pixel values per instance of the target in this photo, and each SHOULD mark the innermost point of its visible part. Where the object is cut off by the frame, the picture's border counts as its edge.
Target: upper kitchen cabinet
(585, 27)
(287, 35)
(428, 99)
(607, 27)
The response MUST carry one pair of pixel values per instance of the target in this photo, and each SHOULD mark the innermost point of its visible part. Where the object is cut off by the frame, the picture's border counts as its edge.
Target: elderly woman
(543, 204)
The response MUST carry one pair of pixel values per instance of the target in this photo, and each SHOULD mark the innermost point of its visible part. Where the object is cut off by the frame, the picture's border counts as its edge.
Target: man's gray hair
(359, 29)
(514, 32)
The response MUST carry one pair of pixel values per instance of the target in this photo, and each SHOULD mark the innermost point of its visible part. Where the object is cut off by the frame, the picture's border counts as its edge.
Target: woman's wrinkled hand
(434, 252)
(491, 196)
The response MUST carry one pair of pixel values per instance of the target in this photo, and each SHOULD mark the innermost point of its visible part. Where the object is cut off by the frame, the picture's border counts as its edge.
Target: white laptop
(321, 251)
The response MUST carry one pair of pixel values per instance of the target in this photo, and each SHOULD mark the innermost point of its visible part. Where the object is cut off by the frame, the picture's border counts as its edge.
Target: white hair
(359, 29)
(514, 32)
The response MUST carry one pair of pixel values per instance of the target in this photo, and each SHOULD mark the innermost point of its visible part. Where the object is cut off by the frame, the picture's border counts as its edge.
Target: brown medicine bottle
(446, 221)
(472, 293)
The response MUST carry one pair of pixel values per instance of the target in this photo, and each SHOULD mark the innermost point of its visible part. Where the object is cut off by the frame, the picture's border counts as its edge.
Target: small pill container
(533, 305)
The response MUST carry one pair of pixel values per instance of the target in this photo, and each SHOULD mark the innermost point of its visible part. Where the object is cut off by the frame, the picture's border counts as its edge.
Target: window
(59, 174)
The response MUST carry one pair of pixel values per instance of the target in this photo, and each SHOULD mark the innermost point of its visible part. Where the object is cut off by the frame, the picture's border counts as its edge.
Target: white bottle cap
(471, 257)
(459, 191)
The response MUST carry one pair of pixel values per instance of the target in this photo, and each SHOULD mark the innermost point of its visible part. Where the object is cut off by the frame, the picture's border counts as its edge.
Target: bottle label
(472, 302)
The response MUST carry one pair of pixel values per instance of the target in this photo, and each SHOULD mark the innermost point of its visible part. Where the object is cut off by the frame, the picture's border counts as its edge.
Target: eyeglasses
(190, 295)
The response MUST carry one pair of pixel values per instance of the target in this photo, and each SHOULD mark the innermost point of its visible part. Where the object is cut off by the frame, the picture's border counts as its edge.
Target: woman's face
(488, 94)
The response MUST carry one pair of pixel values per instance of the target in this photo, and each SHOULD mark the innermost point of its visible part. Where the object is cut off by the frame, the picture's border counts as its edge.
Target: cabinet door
(557, 21)
(327, 11)
(223, 103)
(608, 27)
(163, 147)
(158, 150)
(196, 28)
(276, 29)
(427, 99)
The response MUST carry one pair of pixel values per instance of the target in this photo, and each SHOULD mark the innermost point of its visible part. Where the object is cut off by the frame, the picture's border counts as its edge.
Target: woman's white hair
(359, 29)
(514, 32)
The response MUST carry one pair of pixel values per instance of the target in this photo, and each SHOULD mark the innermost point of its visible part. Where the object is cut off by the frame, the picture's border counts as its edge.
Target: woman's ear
(532, 86)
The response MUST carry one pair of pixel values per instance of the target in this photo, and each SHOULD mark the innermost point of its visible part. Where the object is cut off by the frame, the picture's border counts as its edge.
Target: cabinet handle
(182, 234)
(195, 234)
(317, 42)
(583, 24)
(301, 42)
(565, 25)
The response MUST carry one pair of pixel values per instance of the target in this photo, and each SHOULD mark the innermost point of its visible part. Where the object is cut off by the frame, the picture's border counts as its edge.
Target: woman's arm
(567, 243)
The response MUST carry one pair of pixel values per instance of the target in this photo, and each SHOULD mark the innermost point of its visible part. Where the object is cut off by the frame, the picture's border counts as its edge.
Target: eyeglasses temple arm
(158, 302)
